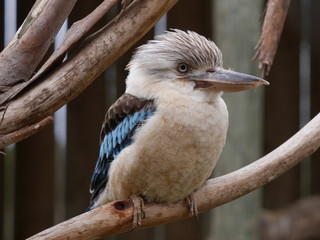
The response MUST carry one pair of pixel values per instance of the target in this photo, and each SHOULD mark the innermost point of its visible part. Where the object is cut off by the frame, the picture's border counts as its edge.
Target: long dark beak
(227, 81)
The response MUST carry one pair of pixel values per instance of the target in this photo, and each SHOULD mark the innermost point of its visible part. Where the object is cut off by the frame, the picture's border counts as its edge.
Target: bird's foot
(192, 206)
(138, 213)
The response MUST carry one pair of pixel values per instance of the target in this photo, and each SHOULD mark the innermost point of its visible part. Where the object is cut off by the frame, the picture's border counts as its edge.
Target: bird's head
(185, 62)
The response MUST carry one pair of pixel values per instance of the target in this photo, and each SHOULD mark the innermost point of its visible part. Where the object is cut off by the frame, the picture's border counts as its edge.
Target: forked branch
(116, 217)
(70, 78)
(29, 45)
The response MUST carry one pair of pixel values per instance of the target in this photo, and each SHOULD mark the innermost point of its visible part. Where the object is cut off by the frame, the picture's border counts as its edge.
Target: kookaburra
(162, 138)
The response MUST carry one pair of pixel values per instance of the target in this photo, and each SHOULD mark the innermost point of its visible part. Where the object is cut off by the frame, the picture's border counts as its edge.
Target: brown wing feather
(126, 105)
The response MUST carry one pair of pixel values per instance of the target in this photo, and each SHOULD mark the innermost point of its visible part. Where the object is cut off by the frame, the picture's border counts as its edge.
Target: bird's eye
(183, 67)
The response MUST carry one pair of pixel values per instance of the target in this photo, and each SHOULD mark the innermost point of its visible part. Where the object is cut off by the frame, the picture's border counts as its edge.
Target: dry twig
(23, 133)
(116, 217)
(267, 45)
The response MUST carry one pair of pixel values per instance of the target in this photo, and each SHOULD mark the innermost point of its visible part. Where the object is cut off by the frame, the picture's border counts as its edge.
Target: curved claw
(138, 213)
(193, 206)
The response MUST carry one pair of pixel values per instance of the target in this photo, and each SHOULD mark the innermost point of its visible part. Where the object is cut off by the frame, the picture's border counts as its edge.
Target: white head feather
(155, 64)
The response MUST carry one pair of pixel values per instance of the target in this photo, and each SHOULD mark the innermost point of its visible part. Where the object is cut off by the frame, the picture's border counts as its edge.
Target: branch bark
(31, 42)
(25, 132)
(74, 35)
(116, 217)
(74, 75)
(273, 23)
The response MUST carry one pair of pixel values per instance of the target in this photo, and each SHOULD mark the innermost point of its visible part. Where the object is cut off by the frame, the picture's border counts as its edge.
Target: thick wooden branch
(116, 217)
(73, 76)
(25, 51)
(74, 35)
(271, 32)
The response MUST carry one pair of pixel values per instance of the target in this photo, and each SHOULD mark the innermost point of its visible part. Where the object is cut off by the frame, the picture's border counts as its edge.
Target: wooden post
(315, 89)
(34, 184)
(84, 118)
(34, 187)
(282, 109)
(236, 30)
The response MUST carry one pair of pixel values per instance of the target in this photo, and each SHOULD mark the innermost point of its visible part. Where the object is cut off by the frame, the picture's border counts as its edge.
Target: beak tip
(264, 82)
(228, 81)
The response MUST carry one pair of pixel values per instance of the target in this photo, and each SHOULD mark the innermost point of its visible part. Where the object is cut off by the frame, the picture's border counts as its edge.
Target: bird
(161, 140)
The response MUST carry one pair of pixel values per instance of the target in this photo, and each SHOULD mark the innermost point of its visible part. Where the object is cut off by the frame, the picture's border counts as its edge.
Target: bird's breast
(175, 151)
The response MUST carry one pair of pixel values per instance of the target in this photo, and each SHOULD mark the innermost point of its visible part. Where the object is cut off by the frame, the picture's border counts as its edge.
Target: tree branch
(267, 45)
(31, 42)
(74, 75)
(116, 217)
(24, 132)
(74, 35)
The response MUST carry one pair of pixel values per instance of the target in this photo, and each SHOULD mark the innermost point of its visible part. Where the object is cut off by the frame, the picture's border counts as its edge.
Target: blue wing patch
(115, 140)
(120, 137)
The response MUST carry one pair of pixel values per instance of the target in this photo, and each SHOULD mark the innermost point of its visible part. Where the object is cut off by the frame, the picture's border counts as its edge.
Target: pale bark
(71, 77)
(24, 132)
(116, 217)
(25, 51)
(75, 34)
(273, 23)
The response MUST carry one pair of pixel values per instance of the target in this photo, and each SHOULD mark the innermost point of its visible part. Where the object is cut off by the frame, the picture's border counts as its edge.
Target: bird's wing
(121, 120)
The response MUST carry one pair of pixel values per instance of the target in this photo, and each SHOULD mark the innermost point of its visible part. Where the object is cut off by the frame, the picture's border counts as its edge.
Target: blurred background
(45, 179)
